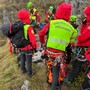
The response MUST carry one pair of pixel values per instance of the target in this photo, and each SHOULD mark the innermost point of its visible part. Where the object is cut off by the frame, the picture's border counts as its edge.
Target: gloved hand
(72, 44)
(75, 26)
(84, 21)
(34, 50)
(43, 46)
(38, 24)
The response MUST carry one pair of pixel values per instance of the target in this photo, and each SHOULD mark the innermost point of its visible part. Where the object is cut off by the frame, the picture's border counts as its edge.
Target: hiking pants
(26, 56)
(55, 71)
(77, 64)
(86, 84)
(75, 70)
(69, 52)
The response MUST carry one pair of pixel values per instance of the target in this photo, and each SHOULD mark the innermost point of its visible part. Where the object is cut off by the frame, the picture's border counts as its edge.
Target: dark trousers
(69, 52)
(55, 71)
(26, 56)
(86, 84)
(75, 70)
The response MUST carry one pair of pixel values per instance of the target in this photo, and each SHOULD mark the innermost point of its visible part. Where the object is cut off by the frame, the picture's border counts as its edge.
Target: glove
(38, 24)
(75, 26)
(34, 50)
(72, 44)
(84, 21)
(43, 46)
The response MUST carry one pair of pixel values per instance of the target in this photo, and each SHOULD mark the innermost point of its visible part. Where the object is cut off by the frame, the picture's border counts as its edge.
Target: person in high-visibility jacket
(34, 15)
(72, 21)
(60, 33)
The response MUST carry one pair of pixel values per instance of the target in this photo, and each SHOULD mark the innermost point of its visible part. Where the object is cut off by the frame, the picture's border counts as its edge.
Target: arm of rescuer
(32, 37)
(43, 32)
(88, 75)
(47, 20)
(85, 35)
(38, 17)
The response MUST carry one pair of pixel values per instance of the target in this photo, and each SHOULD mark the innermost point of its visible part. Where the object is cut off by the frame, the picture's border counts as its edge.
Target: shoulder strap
(10, 28)
(26, 31)
(26, 26)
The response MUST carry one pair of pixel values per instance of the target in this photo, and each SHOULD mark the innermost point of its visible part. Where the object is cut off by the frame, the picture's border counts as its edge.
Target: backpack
(5, 29)
(16, 33)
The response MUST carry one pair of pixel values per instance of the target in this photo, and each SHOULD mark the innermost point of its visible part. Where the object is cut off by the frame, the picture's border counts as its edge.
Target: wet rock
(41, 64)
(25, 85)
(37, 56)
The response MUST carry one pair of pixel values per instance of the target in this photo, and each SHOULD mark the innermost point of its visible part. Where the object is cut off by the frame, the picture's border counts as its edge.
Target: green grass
(10, 74)
(11, 77)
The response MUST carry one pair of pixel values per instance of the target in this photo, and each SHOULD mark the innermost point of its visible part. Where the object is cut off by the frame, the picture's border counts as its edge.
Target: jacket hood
(63, 11)
(87, 13)
(23, 15)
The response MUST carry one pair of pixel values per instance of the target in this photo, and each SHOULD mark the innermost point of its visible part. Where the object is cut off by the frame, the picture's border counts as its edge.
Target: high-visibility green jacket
(60, 34)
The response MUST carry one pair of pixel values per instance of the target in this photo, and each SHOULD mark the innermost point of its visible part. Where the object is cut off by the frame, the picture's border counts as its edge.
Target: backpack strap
(10, 28)
(26, 26)
(26, 31)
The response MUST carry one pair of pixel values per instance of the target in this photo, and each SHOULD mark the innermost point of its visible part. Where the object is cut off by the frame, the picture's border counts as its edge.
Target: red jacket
(84, 37)
(47, 20)
(23, 15)
(62, 12)
(32, 39)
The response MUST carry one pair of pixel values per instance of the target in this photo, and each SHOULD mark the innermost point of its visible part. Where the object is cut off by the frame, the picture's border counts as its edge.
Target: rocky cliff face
(77, 7)
(9, 8)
